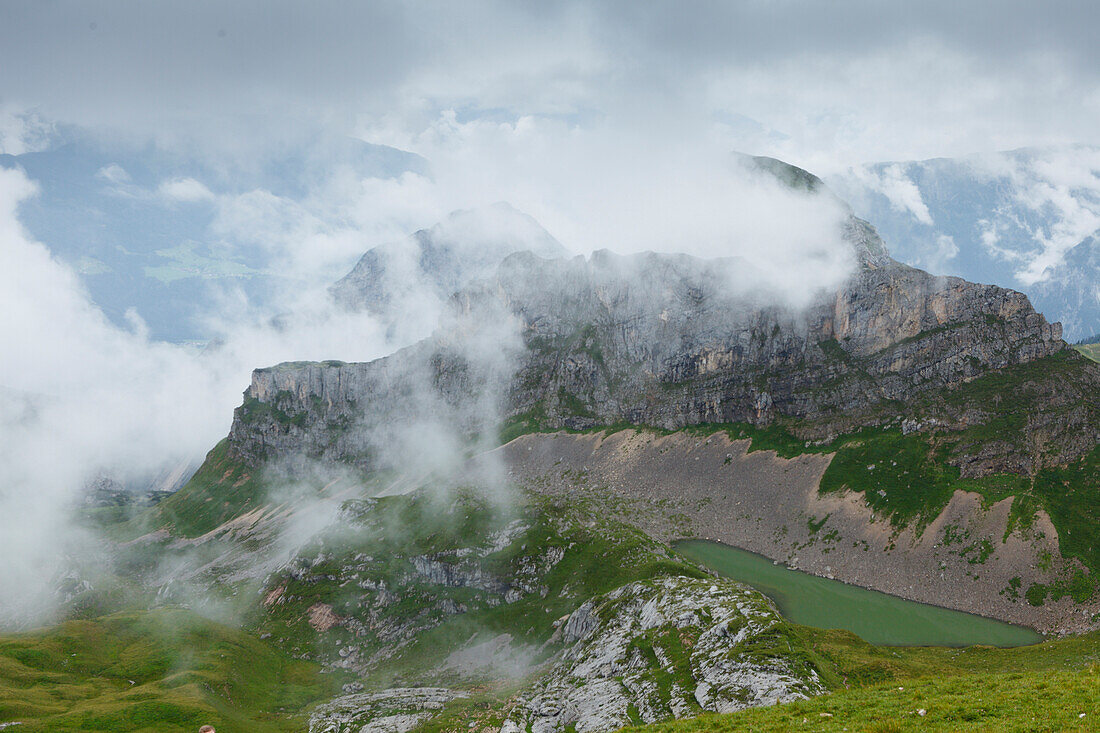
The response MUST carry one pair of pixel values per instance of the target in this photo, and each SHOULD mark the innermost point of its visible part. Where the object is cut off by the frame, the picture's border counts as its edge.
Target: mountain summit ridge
(662, 340)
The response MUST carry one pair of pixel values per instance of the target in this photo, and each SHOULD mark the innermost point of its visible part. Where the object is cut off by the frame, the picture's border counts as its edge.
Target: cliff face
(664, 340)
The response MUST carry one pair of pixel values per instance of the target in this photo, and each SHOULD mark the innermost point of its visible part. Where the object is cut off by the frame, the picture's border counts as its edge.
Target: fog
(612, 126)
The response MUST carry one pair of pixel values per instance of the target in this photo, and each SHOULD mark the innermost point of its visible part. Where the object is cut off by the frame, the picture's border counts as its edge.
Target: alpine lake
(876, 617)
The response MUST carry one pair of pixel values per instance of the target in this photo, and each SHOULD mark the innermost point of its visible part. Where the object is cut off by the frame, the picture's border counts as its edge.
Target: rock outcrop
(395, 710)
(667, 648)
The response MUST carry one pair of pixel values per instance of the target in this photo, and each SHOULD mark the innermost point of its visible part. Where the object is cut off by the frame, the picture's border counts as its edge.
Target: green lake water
(829, 604)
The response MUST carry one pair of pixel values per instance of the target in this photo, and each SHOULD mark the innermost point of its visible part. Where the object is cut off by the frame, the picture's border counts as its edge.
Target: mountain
(1024, 219)
(1073, 289)
(898, 375)
(479, 531)
(662, 340)
(896, 362)
(139, 225)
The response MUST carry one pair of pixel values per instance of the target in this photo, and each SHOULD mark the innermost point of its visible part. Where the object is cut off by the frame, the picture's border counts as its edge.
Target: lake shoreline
(879, 618)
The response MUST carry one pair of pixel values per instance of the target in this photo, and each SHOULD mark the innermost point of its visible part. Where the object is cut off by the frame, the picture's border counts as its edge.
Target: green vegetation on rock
(429, 572)
(1013, 414)
(219, 491)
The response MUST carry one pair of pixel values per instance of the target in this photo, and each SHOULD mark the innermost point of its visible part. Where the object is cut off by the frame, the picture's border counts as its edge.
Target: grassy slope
(219, 491)
(1092, 351)
(163, 671)
(597, 556)
(1042, 687)
(232, 677)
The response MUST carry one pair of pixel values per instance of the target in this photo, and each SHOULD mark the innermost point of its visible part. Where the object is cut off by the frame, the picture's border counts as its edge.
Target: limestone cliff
(664, 340)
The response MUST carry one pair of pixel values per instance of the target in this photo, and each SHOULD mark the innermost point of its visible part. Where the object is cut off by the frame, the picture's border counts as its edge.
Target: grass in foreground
(166, 671)
(1014, 701)
(1045, 687)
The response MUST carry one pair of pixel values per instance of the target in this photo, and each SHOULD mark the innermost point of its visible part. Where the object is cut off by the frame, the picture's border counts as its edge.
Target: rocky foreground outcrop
(389, 711)
(667, 648)
(650, 651)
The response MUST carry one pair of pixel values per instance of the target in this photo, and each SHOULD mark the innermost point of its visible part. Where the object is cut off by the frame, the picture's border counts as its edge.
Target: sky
(820, 83)
(611, 123)
(551, 105)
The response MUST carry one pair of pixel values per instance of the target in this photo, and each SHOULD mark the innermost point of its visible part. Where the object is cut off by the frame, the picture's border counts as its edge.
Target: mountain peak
(467, 245)
(789, 175)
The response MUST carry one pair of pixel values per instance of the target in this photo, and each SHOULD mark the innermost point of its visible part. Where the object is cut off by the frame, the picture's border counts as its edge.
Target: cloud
(603, 185)
(184, 189)
(22, 131)
(899, 190)
(939, 258)
(113, 174)
(82, 396)
(319, 236)
(833, 84)
(1055, 198)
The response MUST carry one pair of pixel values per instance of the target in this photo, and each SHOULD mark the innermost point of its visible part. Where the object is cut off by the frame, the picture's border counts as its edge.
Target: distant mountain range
(1026, 219)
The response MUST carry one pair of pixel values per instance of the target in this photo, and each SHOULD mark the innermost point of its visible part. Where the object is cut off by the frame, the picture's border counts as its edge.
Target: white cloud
(22, 131)
(898, 189)
(1057, 187)
(185, 189)
(114, 174)
(945, 251)
(81, 395)
(604, 185)
(837, 83)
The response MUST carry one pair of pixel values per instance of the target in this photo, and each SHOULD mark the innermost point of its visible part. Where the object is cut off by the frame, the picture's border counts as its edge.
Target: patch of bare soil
(322, 617)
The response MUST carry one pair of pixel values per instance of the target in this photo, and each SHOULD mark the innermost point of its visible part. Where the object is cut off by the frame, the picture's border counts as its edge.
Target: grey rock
(601, 675)
(663, 340)
(395, 710)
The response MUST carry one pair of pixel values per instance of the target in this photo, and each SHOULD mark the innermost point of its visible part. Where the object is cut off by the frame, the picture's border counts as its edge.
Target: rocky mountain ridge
(661, 340)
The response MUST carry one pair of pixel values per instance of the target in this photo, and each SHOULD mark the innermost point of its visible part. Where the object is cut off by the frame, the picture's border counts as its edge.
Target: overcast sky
(820, 83)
